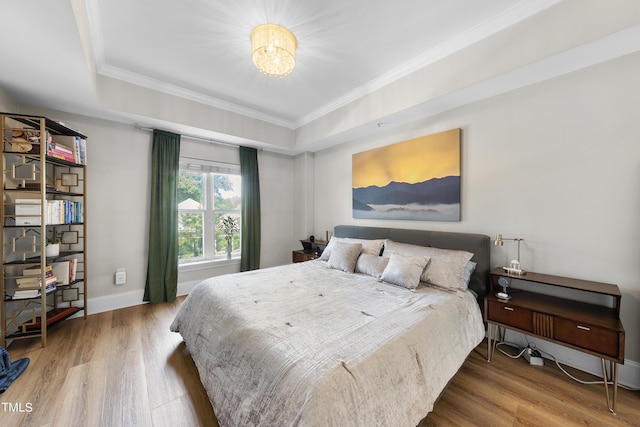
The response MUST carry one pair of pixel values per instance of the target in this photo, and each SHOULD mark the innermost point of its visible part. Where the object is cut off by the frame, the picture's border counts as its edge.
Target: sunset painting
(418, 179)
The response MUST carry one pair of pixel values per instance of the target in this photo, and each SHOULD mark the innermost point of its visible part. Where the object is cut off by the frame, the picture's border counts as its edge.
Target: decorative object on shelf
(53, 243)
(273, 49)
(514, 266)
(20, 145)
(229, 227)
(504, 293)
(21, 140)
(52, 249)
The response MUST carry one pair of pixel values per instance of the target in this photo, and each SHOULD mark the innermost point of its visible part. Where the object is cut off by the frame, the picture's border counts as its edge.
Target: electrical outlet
(121, 276)
(533, 357)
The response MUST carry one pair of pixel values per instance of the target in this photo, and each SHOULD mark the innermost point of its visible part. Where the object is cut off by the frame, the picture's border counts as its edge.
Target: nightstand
(302, 256)
(316, 248)
(590, 328)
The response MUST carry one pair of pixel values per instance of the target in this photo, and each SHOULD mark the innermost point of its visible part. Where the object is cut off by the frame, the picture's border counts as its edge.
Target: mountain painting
(418, 179)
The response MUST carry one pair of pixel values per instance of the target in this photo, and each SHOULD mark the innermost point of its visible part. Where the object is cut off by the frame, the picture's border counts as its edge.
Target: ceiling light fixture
(273, 49)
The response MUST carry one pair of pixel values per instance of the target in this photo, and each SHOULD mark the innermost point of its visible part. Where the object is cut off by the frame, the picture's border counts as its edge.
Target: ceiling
(200, 50)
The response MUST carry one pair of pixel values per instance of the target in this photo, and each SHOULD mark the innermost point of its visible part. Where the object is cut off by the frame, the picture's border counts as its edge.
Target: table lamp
(514, 267)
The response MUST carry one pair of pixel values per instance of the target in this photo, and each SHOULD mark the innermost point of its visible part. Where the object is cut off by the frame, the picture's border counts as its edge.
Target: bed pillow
(344, 256)
(404, 271)
(447, 268)
(373, 247)
(371, 265)
(469, 268)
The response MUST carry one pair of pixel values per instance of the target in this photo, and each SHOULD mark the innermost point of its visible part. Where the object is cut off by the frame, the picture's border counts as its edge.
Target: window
(208, 199)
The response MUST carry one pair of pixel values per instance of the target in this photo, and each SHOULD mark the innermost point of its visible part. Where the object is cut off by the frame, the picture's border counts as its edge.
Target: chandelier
(273, 49)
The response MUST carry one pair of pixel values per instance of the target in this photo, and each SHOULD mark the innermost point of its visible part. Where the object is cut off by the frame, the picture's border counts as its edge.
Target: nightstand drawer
(589, 337)
(505, 313)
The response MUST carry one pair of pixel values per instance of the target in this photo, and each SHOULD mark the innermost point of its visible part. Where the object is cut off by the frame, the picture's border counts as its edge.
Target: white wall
(119, 164)
(6, 101)
(277, 206)
(557, 163)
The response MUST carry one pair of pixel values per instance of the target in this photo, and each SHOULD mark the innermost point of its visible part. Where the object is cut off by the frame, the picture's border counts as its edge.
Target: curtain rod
(212, 162)
(197, 138)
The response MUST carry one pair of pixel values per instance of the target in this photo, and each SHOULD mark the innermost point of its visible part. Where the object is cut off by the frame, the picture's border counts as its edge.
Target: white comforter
(305, 345)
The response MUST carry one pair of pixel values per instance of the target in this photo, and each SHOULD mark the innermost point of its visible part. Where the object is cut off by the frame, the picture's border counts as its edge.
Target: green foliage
(190, 186)
(190, 236)
(191, 226)
(55, 238)
(229, 226)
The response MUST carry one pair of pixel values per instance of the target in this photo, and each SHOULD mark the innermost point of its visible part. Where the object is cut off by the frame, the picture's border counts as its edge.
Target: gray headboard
(478, 244)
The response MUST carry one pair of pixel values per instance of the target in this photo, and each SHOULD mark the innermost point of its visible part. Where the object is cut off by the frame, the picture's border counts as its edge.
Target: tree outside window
(205, 197)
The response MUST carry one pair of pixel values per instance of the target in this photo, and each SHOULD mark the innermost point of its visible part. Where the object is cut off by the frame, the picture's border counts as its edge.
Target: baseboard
(628, 374)
(128, 299)
(115, 302)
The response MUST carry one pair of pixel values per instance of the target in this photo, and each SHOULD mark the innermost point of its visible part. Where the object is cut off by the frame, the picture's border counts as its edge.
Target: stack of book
(30, 286)
(64, 212)
(58, 212)
(70, 148)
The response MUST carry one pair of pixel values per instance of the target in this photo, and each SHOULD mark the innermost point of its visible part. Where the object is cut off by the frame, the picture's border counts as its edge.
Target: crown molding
(171, 89)
(509, 17)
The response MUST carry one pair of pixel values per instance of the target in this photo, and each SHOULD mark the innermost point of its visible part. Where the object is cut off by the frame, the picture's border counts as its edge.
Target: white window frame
(209, 169)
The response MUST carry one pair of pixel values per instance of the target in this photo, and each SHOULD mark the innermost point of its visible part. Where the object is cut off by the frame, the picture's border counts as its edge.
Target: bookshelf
(43, 218)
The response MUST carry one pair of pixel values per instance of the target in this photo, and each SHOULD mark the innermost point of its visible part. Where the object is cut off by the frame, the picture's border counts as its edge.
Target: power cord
(551, 357)
(512, 345)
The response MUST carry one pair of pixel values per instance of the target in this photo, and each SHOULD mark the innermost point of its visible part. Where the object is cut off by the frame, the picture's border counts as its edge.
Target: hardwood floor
(125, 368)
(120, 368)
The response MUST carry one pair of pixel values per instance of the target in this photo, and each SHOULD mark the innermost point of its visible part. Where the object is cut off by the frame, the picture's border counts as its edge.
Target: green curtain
(162, 265)
(250, 218)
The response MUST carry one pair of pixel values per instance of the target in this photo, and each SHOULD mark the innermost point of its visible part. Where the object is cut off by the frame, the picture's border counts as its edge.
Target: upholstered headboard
(478, 244)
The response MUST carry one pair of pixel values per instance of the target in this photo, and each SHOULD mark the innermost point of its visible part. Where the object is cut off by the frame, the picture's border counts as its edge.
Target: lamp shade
(273, 49)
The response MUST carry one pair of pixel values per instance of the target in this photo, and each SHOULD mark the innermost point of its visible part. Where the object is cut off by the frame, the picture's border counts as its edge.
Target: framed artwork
(418, 179)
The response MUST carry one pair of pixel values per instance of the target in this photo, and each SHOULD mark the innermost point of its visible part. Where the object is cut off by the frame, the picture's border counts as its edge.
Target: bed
(318, 344)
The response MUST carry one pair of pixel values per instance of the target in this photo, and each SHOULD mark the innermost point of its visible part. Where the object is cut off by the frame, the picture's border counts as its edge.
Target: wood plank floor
(125, 368)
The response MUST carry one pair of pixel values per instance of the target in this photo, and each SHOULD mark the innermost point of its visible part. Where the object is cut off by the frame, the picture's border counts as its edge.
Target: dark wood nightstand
(302, 256)
(590, 328)
(317, 246)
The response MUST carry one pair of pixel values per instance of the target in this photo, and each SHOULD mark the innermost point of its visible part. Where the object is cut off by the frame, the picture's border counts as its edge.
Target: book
(73, 268)
(33, 293)
(64, 212)
(61, 156)
(34, 282)
(70, 148)
(62, 271)
(25, 282)
(35, 270)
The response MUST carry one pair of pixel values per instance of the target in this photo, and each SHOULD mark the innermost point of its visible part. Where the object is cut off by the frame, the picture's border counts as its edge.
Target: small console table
(590, 328)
